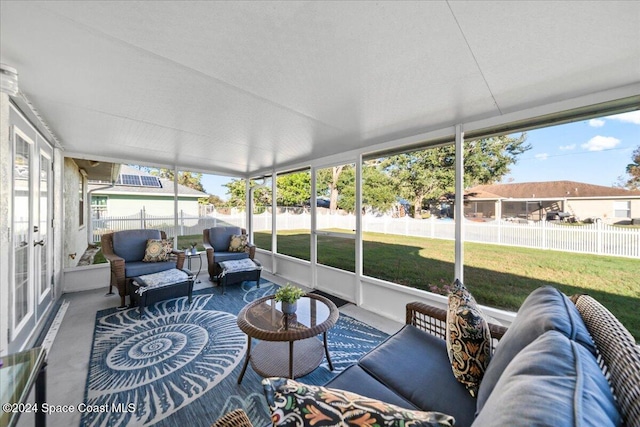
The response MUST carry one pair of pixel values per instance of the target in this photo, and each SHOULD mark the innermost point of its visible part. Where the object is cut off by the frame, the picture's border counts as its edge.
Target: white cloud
(542, 156)
(630, 117)
(568, 147)
(599, 143)
(596, 123)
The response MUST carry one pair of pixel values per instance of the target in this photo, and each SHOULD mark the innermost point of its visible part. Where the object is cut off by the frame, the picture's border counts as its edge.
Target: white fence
(595, 238)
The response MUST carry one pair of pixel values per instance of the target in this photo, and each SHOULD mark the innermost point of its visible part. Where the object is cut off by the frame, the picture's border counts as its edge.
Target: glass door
(31, 262)
(335, 226)
(42, 236)
(21, 292)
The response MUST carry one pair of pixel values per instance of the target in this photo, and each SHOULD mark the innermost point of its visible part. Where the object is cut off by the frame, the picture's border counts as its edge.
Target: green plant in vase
(289, 295)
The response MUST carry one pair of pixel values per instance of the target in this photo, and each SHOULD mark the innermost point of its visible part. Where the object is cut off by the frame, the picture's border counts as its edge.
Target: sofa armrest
(180, 257)
(618, 354)
(434, 320)
(251, 250)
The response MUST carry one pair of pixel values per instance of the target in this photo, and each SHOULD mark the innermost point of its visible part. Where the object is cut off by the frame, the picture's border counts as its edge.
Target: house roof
(546, 190)
(164, 187)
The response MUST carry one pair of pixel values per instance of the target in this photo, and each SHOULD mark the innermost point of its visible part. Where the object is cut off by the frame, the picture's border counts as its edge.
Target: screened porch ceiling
(242, 88)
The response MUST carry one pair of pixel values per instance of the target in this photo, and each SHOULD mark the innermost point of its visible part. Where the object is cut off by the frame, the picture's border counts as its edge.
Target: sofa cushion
(230, 256)
(296, 404)
(131, 244)
(359, 381)
(156, 251)
(220, 237)
(468, 338)
(415, 365)
(552, 382)
(133, 269)
(238, 242)
(545, 309)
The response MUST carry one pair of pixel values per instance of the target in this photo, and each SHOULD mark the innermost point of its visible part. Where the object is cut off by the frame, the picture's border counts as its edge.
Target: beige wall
(75, 236)
(602, 208)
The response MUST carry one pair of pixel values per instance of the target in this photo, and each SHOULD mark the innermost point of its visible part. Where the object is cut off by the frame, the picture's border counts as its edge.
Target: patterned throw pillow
(238, 243)
(156, 250)
(296, 404)
(468, 338)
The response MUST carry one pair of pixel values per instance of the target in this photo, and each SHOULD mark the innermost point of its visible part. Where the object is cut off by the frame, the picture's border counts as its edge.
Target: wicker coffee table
(276, 355)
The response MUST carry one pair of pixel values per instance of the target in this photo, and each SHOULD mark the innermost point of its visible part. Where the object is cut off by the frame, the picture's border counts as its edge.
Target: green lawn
(498, 276)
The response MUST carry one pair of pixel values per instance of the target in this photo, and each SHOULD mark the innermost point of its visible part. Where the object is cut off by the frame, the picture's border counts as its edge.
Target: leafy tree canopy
(430, 174)
(633, 169)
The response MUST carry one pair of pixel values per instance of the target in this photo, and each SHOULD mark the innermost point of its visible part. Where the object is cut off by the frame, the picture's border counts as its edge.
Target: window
(81, 187)
(262, 217)
(406, 218)
(293, 220)
(622, 209)
(336, 220)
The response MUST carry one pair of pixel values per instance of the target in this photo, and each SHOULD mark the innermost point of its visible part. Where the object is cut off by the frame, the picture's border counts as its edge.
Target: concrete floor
(68, 359)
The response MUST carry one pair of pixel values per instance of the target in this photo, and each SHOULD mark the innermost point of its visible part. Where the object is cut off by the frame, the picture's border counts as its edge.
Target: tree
(329, 184)
(338, 184)
(430, 174)
(294, 189)
(213, 200)
(633, 169)
(236, 192)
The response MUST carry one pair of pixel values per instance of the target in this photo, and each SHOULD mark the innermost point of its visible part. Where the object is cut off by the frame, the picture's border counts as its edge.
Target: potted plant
(194, 250)
(289, 295)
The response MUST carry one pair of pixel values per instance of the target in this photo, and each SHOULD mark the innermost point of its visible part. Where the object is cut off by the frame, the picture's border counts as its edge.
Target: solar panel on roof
(150, 181)
(130, 180)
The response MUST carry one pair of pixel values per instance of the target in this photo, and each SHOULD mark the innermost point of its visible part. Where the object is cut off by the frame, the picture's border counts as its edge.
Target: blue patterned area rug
(180, 364)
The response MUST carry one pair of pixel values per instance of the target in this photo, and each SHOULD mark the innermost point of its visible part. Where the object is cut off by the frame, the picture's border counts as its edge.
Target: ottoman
(168, 284)
(237, 271)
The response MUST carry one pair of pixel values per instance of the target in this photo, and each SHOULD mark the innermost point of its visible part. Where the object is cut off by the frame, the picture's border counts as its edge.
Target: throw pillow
(297, 404)
(468, 338)
(156, 251)
(238, 243)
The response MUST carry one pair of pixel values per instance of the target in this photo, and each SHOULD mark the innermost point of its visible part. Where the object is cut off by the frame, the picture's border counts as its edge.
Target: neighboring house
(136, 190)
(533, 200)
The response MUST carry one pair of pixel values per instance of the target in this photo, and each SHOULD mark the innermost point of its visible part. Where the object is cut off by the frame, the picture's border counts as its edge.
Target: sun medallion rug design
(180, 363)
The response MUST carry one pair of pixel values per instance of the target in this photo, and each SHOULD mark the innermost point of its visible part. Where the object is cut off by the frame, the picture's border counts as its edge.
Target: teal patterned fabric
(295, 404)
(468, 338)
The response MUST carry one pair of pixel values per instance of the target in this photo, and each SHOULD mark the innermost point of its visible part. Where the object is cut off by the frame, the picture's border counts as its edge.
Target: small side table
(274, 355)
(190, 256)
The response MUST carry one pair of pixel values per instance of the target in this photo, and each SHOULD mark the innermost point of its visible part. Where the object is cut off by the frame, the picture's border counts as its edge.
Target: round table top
(263, 318)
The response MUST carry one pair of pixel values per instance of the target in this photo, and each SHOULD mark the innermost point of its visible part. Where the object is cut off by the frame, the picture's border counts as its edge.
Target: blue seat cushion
(230, 256)
(131, 244)
(220, 237)
(427, 380)
(357, 380)
(545, 309)
(553, 381)
(133, 269)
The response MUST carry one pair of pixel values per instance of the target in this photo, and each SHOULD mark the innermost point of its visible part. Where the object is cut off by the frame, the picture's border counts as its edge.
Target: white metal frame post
(459, 205)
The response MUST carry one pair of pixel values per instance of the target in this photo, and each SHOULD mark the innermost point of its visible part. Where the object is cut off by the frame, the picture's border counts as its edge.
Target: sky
(594, 151)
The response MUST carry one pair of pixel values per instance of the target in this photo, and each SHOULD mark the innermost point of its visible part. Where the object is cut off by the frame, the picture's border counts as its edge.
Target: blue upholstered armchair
(217, 242)
(125, 251)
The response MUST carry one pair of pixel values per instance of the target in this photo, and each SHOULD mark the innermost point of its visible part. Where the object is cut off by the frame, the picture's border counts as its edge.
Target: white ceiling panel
(237, 87)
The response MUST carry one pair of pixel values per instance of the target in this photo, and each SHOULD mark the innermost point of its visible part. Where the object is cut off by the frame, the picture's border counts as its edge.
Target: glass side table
(191, 255)
(18, 373)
